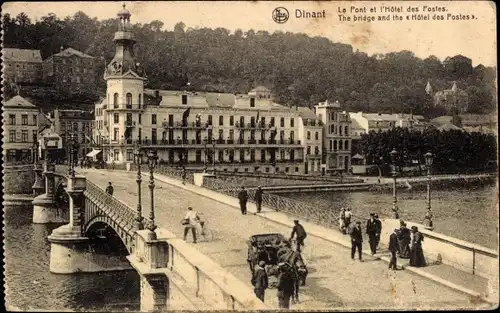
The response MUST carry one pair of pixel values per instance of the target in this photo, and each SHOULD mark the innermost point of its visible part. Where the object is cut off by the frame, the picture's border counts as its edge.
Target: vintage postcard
(250, 155)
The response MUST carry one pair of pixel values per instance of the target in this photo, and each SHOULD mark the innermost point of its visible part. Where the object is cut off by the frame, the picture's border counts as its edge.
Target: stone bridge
(173, 275)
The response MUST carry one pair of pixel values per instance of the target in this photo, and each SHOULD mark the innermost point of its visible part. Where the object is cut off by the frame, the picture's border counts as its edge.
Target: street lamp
(395, 208)
(428, 215)
(205, 141)
(152, 159)
(138, 160)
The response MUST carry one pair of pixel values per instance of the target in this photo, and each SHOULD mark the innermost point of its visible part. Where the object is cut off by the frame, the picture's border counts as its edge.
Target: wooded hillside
(299, 69)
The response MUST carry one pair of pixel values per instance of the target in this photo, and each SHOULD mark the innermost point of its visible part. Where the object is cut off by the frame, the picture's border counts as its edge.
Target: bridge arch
(103, 238)
(103, 222)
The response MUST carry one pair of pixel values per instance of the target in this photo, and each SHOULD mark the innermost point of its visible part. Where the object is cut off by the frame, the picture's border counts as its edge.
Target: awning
(93, 153)
(358, 156)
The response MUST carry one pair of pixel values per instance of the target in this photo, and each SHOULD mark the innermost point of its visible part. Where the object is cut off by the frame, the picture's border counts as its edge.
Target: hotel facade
(237, 133)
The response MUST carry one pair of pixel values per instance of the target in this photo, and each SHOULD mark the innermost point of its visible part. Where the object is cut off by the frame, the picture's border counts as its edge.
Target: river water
(31, 286)
(470, 214)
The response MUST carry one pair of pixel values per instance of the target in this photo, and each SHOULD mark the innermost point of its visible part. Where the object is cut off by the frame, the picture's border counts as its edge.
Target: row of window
(154, 120)
(337, 130)
(24, 119)
(316, 150)
(231, 155)
(24, 136)
(342, 145)
(337, 116)
(128, 100)
(73, 126)
(316, 135)
(170, 133)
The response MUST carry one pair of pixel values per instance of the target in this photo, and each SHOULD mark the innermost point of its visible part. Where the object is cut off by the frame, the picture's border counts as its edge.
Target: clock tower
(125, 92)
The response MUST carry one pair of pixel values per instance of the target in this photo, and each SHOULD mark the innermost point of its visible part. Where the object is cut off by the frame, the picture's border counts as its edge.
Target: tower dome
(124, 13)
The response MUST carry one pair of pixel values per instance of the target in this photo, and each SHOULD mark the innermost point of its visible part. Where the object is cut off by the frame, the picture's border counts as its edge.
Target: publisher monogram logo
(280, 15)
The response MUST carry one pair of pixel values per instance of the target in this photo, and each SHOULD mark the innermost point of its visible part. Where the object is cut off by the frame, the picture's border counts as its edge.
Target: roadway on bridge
(334, 279)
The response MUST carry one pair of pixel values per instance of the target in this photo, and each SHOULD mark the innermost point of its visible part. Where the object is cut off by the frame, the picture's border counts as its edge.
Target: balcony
(262, 141)
(252, 141)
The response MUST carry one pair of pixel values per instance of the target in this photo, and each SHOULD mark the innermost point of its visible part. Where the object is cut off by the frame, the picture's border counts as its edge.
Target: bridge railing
(305, 211)
(117, 210)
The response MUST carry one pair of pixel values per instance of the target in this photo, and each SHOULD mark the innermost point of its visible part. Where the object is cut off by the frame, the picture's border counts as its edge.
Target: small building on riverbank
(20, 130)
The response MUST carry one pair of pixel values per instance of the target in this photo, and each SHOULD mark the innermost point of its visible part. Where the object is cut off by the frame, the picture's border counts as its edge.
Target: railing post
(473, 261)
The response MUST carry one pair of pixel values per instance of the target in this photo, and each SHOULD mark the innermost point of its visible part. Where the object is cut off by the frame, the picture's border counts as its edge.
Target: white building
(366, 122)
(336, 136)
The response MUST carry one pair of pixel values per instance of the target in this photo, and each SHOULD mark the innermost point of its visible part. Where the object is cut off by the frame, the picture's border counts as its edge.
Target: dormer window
(252, 102)
(184, 99)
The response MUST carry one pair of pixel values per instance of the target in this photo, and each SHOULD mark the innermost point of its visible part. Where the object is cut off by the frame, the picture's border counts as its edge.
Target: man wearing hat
(356, 240)
(260, 281)
(393, 248)
(258, 198)
(285, 285)
(371, 231)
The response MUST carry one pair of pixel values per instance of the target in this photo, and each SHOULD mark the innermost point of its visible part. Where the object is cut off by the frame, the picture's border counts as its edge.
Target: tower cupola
(123, 61)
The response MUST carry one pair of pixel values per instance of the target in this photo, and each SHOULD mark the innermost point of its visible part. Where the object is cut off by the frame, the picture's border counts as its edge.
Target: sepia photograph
(249, 155)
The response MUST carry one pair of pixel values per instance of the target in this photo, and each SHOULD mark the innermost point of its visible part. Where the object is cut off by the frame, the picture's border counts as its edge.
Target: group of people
(407, 244)
(403, 242)
(243, 198)
(285, 287)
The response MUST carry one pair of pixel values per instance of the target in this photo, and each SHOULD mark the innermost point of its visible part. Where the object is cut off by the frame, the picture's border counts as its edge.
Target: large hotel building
(240, 133)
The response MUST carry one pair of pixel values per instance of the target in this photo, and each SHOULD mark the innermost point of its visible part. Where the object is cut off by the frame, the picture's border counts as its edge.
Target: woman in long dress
(404, 239)
(417, 254)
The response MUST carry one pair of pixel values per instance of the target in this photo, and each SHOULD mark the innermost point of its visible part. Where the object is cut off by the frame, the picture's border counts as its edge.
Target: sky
(474, 38)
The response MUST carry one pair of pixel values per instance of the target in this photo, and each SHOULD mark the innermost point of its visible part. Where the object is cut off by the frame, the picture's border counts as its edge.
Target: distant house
(72, 71)
(20, 130)
(22, 65)
(366, 122)
(483, 123)
(453, 99)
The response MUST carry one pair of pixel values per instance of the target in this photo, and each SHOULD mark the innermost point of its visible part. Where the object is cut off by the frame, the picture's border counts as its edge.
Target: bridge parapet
(194, 281)
(305, 211)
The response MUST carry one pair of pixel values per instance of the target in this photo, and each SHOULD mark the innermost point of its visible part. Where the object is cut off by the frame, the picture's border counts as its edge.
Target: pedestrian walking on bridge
(371, 231)
(258, 199)
(378, 230)
(110, 189)
(190, 221)
(301, 234)
(342, 221)
(260, 280)
(356, 240)
(243, 197)
(394, 249)
(348, 216)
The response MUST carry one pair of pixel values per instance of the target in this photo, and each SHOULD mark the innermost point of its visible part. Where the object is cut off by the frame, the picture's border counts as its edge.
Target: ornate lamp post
(205, 141)
(395, 208)
(138, 159)
(428, 215)
(152, 159)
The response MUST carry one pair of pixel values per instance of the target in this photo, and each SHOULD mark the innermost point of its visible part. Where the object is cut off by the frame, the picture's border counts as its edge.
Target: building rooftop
(449, 126)
(355, 124)
(70, 52)
(19, 102)
(306, 113)
(21, 55)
